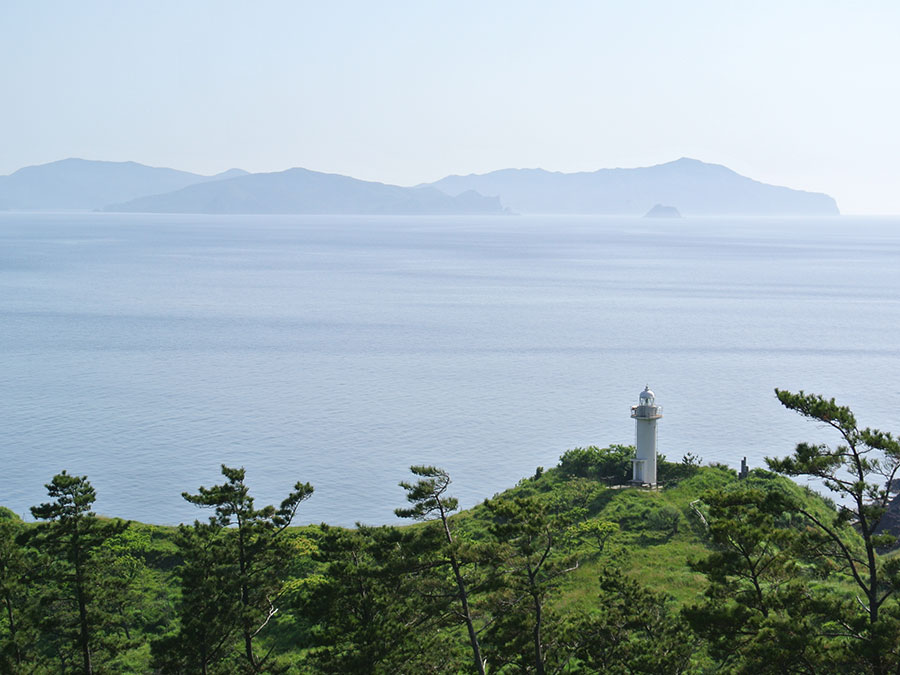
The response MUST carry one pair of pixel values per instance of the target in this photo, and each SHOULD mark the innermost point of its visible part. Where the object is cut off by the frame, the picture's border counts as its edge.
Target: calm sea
(144, 351)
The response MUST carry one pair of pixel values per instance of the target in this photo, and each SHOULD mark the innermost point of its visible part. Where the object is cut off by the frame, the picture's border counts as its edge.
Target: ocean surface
(144, 351)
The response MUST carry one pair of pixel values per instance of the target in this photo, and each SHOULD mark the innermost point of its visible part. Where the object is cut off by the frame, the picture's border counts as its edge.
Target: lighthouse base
(643, 473)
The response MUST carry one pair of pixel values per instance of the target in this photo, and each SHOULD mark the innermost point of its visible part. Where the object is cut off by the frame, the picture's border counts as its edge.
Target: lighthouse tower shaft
(645, 415)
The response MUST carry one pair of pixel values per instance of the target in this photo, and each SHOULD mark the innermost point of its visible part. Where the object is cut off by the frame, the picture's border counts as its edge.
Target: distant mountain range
(304, 191)
(691, 186)
(85, 184)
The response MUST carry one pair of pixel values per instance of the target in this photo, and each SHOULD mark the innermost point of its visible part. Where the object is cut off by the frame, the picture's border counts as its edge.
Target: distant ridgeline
(695, 187)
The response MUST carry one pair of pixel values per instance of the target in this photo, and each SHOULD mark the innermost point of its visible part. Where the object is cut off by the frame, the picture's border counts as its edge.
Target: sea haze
(145, 350)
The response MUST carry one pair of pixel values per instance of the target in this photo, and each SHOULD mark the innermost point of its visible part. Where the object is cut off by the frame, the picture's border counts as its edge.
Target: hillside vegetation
(570, 571)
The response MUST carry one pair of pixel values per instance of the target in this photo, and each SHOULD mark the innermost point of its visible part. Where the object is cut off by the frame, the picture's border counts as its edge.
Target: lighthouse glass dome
(646, 406)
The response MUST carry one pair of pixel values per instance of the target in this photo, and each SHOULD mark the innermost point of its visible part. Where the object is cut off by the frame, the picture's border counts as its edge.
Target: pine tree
(237, 562)
(760, 610)
(632, 631)
(71, 537)
(13, 593)
(861, 472)
(430, 502)
(528, 566)
(371, 605)
(209, 606)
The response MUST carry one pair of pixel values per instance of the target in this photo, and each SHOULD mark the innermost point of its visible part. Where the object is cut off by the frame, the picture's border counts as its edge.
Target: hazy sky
(804, 94)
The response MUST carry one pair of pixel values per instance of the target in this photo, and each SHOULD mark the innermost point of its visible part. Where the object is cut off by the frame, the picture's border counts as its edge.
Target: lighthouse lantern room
(645, 414)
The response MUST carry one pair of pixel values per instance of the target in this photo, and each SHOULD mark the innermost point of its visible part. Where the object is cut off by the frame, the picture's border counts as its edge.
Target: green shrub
(664, 519)
(8, 514)
(612, 464)
(672, 472)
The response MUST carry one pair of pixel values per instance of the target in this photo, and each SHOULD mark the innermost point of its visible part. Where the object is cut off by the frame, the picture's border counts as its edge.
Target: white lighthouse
(645, 414)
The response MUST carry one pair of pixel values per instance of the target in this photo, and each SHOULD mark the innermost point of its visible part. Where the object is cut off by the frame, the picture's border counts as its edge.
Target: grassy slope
(657, 558)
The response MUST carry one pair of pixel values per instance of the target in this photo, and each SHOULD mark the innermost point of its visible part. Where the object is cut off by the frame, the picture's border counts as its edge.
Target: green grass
(658, 558)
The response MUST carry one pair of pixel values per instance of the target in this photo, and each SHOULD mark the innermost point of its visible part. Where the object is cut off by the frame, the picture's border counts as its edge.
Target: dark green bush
(8, 514)
(612, 464)
(672, 472)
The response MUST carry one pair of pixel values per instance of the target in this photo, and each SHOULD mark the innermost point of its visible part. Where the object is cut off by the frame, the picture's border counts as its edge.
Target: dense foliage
(571, 571)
